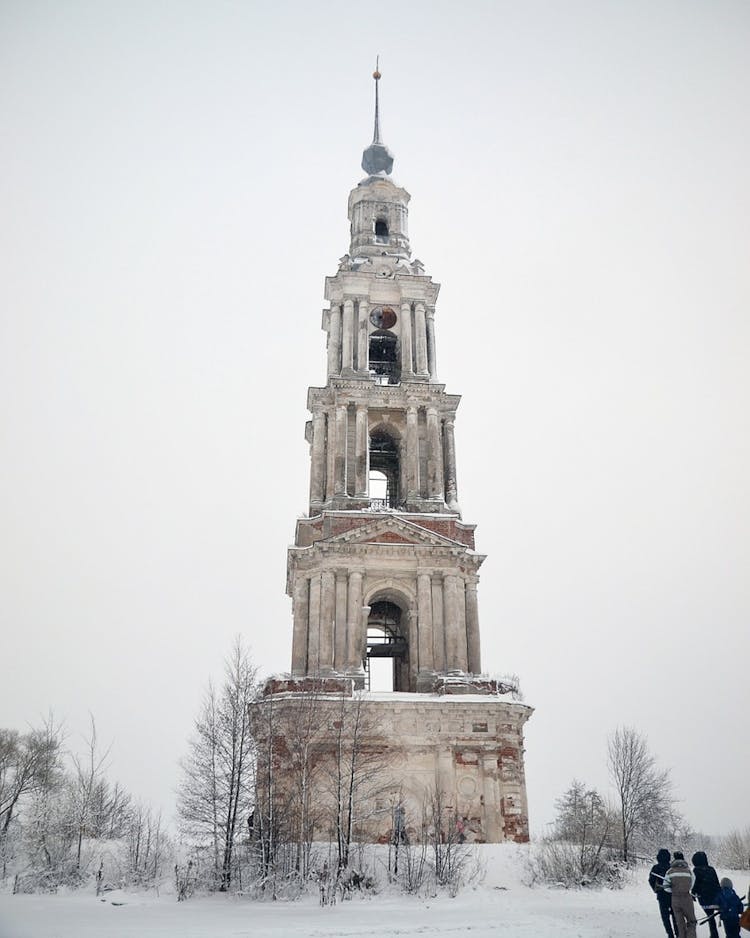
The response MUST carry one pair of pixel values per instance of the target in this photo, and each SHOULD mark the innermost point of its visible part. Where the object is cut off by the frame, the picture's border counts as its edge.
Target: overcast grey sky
(173, 187)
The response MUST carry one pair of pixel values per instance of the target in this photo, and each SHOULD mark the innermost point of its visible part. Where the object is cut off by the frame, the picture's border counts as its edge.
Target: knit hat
(726, 883)
(678, 855)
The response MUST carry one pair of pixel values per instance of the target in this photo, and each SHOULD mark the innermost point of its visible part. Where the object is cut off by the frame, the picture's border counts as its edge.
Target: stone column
(327, 607)
(339, 472)
(339, 654)
(451, 487)
(438, 625)
(313, 632)
(334, 341)
(472, 628)
(347, 339)
(434, 455)
(363, 335)
(412, 453)
(318, 460)
(301, 613)
(421, 339)
(431, 360)
(405, 673)
(450, 619)
(330, 452)
(362, 440)
(424, 605)
(461, 641)
(354, 622)
(407, 369)
(362, 637)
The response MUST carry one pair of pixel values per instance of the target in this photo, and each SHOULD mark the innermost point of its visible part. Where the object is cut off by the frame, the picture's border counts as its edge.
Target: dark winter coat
(657, 874)
(730, 905)
(706, 884)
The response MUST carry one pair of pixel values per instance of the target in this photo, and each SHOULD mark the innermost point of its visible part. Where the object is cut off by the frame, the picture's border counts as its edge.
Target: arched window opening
(386, 665)
(384, 363)
(384, 470)
(381, 231)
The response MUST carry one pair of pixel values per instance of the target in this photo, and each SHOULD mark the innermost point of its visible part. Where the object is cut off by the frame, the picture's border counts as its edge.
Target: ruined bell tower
(383, 573)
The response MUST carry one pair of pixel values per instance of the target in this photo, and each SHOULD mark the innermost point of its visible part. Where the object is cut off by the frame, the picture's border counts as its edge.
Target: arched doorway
(387, 658)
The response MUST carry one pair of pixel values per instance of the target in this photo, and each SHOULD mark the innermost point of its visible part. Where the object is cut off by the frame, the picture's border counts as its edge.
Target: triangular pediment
(393, 530)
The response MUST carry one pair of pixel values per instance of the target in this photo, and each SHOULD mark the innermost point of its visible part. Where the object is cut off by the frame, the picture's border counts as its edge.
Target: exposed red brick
(308, 685)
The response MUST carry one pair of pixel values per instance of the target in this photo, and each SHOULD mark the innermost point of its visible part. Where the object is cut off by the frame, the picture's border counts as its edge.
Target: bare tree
(288, 811)
(583, 817)
(146, 841)
(301, 731)
(48, 834)
(645, 802)
(734, 850)
(22, 758)
(580, 849)
(26, 766)
(215, 796)
(88, 790)
(357, 775)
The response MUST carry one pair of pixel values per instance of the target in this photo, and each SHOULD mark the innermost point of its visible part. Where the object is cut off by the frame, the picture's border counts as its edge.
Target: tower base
(394, 758)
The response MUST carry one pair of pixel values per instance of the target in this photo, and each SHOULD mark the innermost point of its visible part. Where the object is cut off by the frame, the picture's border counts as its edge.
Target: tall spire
(376, 76)
(377, 159)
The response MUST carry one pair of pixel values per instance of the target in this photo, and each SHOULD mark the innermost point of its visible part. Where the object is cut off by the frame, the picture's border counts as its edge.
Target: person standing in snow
(705, 888)
(664, 898)
(730, 908)
(678, 881)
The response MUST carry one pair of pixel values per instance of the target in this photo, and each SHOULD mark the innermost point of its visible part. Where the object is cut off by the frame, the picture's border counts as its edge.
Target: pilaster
(451, 486)
(301, 613)
(347, 341)
(431, 354)
(421, 339)
(472, 627)
(407, 369)
(334, 341)
(362, 338)
(424, 593)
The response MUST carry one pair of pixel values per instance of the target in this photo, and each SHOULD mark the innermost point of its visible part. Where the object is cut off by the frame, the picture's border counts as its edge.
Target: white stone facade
(394, 573)
(470, 748)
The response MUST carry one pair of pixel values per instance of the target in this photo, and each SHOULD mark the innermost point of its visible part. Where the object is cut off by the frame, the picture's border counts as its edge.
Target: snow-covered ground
(501, 905)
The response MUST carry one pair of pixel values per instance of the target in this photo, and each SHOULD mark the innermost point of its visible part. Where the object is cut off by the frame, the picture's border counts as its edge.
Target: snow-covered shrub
(558, 863)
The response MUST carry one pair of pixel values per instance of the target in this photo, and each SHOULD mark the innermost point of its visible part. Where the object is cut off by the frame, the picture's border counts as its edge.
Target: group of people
(676, 888)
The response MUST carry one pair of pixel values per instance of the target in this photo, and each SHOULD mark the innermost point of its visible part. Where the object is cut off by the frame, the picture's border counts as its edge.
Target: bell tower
(382, 566)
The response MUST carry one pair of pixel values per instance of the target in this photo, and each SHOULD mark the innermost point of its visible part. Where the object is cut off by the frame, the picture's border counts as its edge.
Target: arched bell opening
(384, 358)
(381, 231)
(384, 464)
(387, 660)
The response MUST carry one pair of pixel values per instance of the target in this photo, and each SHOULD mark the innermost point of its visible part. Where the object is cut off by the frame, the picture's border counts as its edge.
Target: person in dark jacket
(664, 898)
(730, 908)
(705, 888)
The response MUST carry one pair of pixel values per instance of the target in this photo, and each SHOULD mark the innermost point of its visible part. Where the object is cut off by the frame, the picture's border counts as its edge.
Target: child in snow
(679, 882)
(730, 908)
